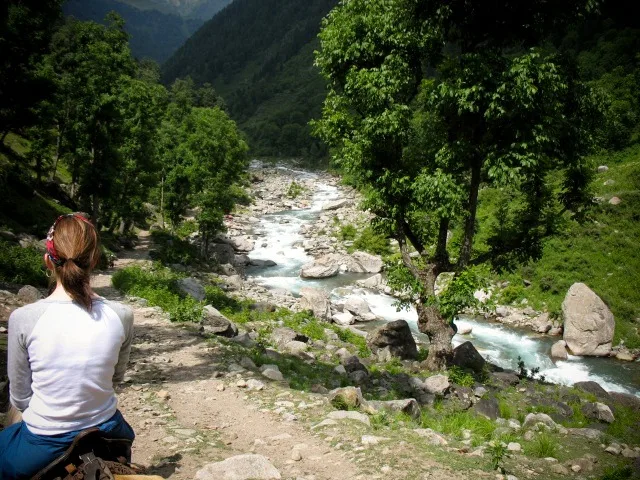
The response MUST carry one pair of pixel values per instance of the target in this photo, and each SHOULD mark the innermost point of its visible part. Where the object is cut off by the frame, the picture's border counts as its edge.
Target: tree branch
(412, 237)
(470, 224)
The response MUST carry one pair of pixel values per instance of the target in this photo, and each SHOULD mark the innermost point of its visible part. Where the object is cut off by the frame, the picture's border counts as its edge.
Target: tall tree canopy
(427, 101)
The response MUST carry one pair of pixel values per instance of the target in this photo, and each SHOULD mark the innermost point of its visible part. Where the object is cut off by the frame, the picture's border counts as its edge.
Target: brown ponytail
(77, 247)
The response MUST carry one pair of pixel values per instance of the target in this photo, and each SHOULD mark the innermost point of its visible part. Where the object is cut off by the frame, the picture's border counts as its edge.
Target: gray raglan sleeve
(126, 316)
(21, 324)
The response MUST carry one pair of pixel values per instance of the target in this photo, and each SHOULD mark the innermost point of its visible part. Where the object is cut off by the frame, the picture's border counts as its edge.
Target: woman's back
(74, 356)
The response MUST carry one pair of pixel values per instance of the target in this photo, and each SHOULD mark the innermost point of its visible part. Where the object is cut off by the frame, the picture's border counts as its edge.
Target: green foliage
(506, 409)
(543, 445)
(460, 377)
(173, 250)
(371, 241)
(625, 426)
(347, 232)
(21, 265)
(348, 336)
(498, 451)
(617, 473)
(295, 190)
(453, 423)
(157, 286)
(186, 228)
(305, 323)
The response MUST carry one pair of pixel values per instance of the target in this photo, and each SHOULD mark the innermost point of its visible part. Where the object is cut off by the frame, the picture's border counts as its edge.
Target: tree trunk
(162, 200)
(57, 156)
(470, 225)
(440, 333)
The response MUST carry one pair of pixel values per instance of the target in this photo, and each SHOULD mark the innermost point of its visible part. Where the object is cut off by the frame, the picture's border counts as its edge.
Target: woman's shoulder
(125, 312)
(28, 314)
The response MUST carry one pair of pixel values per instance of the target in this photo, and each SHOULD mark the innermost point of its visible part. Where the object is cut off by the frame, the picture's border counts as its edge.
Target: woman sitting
(65, 353)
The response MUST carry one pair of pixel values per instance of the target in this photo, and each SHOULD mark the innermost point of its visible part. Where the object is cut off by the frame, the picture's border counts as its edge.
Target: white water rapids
(280, 240)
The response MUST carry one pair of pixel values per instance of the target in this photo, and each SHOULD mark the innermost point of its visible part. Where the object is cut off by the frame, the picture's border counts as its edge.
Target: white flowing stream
(279, 239)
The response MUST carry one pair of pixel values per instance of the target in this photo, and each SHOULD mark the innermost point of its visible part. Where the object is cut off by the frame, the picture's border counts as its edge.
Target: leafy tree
(26, 27)
(89, 63)
(428, 101)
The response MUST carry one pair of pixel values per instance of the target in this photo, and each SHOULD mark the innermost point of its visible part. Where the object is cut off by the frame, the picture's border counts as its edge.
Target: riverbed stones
(397, 337)
(465, 355)
(598, 411)
(336, 204)
(588, 323)
(222, 253)
(317, 301)
(191, 287)
(343, 318)
(314, 270)
(214, 322)
(370, 263)
(559, 350)
(240, 467)
(356, 305)
(375, 282)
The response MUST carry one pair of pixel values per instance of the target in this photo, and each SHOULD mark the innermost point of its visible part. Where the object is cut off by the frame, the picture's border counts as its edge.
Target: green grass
(460, 377)
(158, 286)
(542, 446)
(348, 336)
(453, 423)
(626, 426)
(506, 409)
(601, 251)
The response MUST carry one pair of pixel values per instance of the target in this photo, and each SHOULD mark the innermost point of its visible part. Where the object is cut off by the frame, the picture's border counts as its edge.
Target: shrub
(186, 228)
(544, 445)
(295, 190)
(348, 336)
(460, 377)
(21, 265)
(172, 249)
(347, 232)
(371, 241)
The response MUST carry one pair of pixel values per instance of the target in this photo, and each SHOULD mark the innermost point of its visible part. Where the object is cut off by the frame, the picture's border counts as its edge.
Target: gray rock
(534, 418)
(603, 168)
(317, 301)
(192, 287)
(241, 244)
(295, 347)
(214, 322)
(283, 335)
(241, 260)
(397, 337)
(240, 467)
(487, 407)
(343, 318)
(246, 362)
(613, 449)
(593, 388)
(409, 406)
(559, 351)
(29, 294)
(588, 323)
(432, 437)
(245, 340)
(626, 400)
(313, 270)
(373, 283)
(349, 415)
(272, 373)
(370, 263)
(359, 377)
(437, 384)
(254, 262)
(466, 356)
(505, 378)
(253, 384)
(346, 398)
(615, 201)
(590, 433)
(222, 253)
(336, 204)
(514, 447)
(598, 411)
(356, 305)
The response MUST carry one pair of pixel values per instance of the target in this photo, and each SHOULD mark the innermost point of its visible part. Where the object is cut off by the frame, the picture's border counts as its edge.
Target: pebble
(514, 447)
(163, 395)
(241, 384)
(576, 468)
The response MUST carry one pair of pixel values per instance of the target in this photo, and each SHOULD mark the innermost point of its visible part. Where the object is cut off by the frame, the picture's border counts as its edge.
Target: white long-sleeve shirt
(64, 360)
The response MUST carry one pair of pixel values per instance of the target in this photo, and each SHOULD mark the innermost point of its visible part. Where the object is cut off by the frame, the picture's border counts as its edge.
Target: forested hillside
(259, 57)
(156, 29)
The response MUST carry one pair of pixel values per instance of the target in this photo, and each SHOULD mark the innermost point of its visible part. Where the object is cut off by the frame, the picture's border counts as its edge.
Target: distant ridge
(258, 54)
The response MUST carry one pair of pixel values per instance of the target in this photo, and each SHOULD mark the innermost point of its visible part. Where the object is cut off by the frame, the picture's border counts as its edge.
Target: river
(280, 240)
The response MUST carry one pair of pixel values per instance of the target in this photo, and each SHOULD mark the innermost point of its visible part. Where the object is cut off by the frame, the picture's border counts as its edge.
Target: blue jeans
(23, 454)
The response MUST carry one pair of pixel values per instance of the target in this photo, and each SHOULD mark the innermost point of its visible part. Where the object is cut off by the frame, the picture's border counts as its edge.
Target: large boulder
(588, 322)
(397, 337)
(313, 270)
(376, 282)
(370, 263)
(356, 305)
(317, 301)
(241, 244)
(29, 294)
(559, 350)
(465, 355)
(215, 322)
(240, 467)
(222, 253)
(347, 398)
(191, 287)
(343, 318)
(281, 336)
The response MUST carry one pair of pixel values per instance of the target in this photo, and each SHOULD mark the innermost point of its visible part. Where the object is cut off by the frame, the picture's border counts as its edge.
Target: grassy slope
(601, 252)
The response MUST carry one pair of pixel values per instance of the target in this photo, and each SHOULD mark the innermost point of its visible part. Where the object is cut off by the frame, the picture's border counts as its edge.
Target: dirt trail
(183, 419)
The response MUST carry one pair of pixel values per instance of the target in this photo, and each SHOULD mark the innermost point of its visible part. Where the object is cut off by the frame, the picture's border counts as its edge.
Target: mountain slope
(157, 28)
(259, 55)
